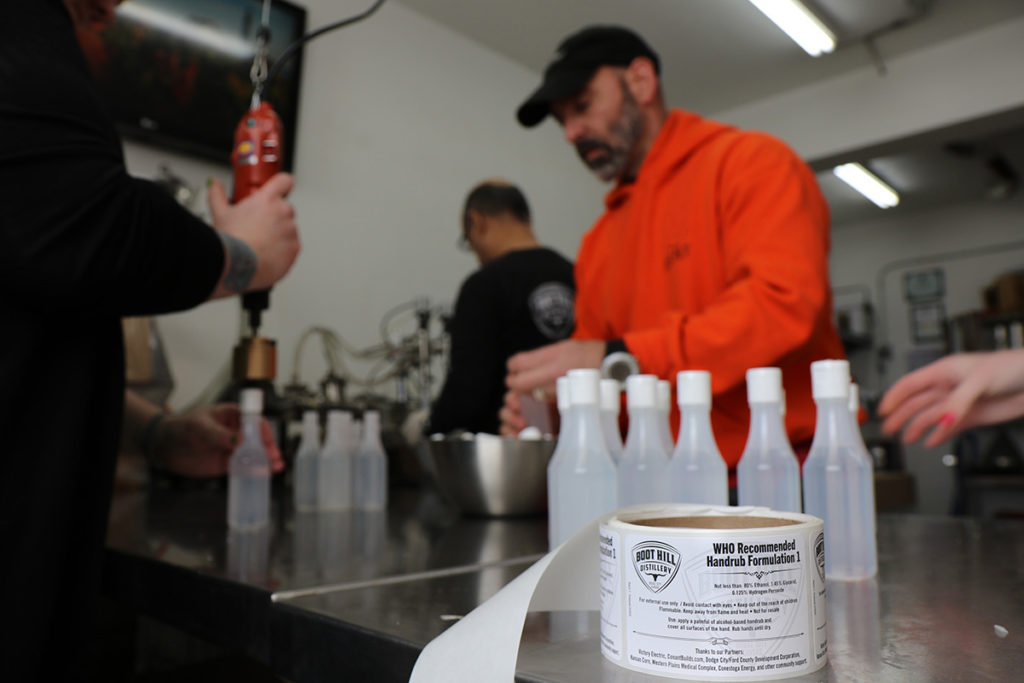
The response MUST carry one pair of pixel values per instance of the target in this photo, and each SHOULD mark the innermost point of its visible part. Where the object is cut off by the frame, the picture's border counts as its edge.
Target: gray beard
(626, 132)
(608, 168)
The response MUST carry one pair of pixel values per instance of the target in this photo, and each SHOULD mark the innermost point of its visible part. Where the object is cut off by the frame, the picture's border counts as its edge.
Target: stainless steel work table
(355, 596)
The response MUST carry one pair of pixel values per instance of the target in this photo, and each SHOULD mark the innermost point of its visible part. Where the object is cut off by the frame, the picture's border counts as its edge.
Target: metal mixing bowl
(491, 475)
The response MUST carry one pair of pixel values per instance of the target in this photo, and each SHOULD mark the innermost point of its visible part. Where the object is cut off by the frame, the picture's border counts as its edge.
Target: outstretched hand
(955, 393)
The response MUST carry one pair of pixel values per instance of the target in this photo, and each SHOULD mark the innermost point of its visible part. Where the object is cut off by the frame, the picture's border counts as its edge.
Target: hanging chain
(260, 69)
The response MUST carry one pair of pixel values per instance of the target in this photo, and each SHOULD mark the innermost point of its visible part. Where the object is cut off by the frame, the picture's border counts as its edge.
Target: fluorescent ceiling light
(868, 184)
(799, 24)
(207, 36)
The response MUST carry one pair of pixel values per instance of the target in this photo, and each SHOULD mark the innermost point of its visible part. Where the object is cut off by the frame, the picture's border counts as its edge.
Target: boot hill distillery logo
(656, 564)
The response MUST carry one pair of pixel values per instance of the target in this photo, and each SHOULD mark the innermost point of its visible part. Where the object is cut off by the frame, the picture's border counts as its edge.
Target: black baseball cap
(576, 60)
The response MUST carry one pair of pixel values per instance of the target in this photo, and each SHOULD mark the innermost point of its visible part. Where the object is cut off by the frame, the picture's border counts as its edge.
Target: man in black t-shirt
(520, 298)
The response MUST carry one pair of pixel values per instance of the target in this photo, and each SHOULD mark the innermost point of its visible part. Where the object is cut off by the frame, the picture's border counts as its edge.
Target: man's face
(603, 123)
(88, 13)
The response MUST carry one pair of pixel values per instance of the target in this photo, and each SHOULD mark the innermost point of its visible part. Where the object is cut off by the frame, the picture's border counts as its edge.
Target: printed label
(611, 598)
(720, 609)
(818, 612)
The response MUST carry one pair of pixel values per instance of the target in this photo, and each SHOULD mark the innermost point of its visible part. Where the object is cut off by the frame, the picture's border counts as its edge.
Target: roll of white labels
(685, 591)
(729, 593)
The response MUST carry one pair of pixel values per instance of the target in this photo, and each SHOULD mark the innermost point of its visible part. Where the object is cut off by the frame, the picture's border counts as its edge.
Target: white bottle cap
(583, 386)
(830, 379)
(764, 385)
(335, 419)
(310, 417)
(641, 391)
(854, 403)
(562, 393)
(371, 419)
(530, 433)
(664, 395)
(693, 388)
(251, 400)
(611, 396)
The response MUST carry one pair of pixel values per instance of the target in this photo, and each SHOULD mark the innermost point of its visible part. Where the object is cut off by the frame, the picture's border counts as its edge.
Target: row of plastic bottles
(344, 471)
(654, 469)
(593, 472)
(341, 473)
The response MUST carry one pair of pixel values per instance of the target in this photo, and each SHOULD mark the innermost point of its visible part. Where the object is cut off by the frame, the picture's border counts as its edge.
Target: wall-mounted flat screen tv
(175, 73)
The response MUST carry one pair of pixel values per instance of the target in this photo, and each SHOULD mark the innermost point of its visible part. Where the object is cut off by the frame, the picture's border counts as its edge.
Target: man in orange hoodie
(712, 253)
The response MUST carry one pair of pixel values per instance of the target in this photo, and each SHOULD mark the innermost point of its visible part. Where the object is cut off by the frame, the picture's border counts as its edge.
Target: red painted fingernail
(947, 420)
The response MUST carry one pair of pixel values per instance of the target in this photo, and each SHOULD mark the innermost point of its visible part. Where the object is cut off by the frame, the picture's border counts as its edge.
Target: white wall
(399, 118)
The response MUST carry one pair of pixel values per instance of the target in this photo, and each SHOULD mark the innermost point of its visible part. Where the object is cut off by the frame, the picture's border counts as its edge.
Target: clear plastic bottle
(307, 463)
(696, 473)
(335, 475)
(249, 469)
(611, 400)
(562, 397)
(641, 472)
(371, 466)
(768, 473)
(581, 474)
(665, 408)
(839, 479)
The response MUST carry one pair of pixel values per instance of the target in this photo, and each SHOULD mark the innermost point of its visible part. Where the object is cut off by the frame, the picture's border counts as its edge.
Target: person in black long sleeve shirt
(81, 245)
(520, 298)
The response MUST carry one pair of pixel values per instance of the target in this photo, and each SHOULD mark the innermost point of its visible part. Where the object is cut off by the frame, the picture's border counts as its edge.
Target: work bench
(354, 595)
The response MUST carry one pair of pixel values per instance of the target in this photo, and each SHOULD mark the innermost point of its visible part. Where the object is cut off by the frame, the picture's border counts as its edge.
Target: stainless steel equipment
(491, 475)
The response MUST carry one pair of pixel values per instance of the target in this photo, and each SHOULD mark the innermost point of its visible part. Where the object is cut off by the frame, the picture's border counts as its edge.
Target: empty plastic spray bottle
(644, 460)
(371, 466)
(335, 477)
(839, 479)
(696, 473)
(249, 469)
(581, 474)
(768, 473)
(307, 463)
(611, 398)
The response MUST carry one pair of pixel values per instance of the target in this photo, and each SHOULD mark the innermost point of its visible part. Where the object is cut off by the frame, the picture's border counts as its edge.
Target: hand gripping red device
(256, 157)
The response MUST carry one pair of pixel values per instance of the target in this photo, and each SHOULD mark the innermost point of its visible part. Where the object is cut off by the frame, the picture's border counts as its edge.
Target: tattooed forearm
(241, 263)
